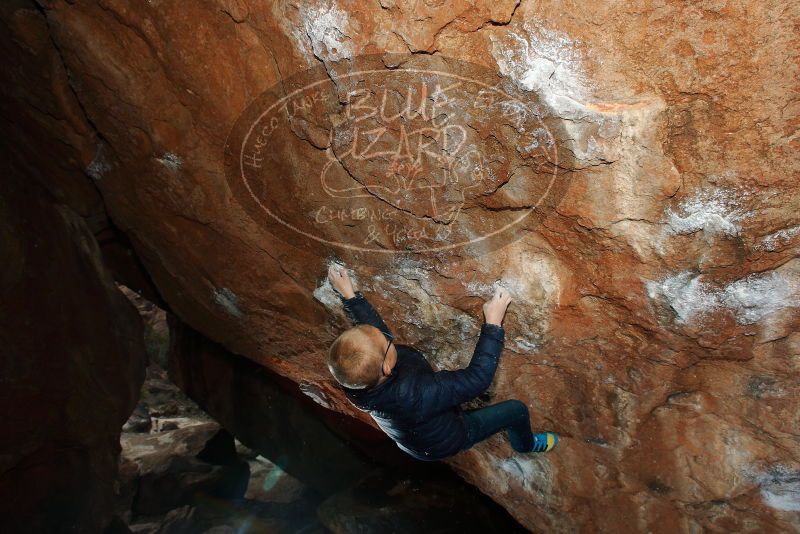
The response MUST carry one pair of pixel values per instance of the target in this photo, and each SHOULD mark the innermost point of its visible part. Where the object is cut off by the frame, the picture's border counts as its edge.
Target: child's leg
(511, 415)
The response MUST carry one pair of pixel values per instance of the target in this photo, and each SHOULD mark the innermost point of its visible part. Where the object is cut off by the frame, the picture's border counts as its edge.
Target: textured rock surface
(656, 306)
(72, 363)
(185, 460)
(173, 468)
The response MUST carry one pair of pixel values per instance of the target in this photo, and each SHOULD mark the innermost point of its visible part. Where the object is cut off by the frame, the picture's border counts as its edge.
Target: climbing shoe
(544, 441)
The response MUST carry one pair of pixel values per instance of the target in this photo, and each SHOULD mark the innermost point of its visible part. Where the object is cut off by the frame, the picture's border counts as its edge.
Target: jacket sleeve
(439, 391)
(360, 311)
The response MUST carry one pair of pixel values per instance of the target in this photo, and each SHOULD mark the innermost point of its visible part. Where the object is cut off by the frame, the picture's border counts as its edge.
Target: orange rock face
(629, 171)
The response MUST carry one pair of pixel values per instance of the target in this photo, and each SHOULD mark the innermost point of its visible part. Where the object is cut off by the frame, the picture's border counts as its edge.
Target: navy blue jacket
(415, 406)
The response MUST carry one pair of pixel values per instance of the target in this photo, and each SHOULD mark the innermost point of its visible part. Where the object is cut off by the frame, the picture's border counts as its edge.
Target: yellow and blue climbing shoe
(544, 441)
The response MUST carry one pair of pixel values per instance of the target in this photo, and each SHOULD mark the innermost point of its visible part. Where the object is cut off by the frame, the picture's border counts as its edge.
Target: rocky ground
(181, 472)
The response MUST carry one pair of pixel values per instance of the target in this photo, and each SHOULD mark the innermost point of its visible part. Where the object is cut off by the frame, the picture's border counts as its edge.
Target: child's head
(356, 357)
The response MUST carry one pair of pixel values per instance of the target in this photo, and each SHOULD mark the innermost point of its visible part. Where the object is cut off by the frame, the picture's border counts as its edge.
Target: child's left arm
(356, 305)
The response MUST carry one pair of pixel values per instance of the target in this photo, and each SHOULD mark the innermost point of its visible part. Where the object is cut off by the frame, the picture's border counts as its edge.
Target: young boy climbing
(415, 406)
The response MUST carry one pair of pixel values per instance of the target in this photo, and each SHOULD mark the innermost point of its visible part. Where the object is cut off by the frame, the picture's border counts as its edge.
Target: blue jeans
(511, 416)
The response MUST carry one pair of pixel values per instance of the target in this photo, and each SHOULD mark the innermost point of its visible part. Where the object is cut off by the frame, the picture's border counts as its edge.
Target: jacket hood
(365, 398)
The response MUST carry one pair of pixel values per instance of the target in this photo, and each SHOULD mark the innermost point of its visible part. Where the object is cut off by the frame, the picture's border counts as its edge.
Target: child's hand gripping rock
(340, 280)
(494, 309)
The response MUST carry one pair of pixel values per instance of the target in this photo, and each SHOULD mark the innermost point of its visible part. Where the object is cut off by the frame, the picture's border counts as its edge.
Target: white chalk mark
(228, 301)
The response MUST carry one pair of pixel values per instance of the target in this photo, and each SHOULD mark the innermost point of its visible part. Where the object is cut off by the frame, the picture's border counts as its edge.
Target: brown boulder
(182, 466)
(655, 296)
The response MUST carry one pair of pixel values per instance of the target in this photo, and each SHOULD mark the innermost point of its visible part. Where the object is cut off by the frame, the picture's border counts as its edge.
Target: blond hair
(353, 359)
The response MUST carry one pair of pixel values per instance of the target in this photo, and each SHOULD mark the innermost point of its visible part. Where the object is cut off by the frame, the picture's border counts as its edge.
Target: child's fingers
(335, 274)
